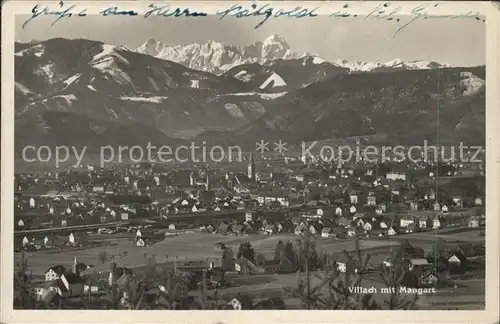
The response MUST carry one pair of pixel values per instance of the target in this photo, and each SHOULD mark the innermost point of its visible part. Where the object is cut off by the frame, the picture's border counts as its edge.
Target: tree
(279, 252)
(102, 257)
(334, 290)
(227, 261)
(291, 254)
(439, 249)
(246, 250)
(395, 277)
(23, 295)
(260, 259)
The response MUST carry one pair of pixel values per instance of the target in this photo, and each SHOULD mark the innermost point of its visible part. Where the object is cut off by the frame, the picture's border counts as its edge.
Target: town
(254, 234)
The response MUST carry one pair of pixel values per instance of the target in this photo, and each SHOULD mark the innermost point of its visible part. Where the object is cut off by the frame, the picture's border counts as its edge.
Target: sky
(460, 42)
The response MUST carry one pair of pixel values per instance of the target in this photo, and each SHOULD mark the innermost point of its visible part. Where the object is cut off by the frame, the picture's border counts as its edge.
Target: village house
(54, 273)
(422, 222)
(473, 221)
(411, 228)
(406, 220)
(415, 263)
(395, 176)
(392, 231)
(436, 223)
(371, 200)
(427, 278)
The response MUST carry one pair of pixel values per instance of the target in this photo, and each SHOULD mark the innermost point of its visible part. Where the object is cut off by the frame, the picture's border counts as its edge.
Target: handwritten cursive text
(239, 11)
(166, 11)
(420, 12)
(114, 11)
(59, 13)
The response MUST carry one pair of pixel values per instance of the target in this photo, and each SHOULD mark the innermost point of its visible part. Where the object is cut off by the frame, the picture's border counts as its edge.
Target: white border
(490, 315)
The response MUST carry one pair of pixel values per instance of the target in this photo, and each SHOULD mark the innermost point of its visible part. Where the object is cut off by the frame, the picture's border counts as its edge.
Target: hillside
(407, 107)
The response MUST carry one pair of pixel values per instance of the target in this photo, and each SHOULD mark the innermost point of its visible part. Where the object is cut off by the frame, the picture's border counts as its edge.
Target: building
(473, 221)
(395, 176)
(415, 263)
(54, 273)
(251, 167)
(406, 220)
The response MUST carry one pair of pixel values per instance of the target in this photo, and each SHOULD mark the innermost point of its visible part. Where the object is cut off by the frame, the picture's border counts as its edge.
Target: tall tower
(251, 167)
(75, 266)
(207, 183)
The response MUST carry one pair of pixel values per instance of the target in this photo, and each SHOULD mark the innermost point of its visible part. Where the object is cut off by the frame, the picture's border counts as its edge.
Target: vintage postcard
(218, 156)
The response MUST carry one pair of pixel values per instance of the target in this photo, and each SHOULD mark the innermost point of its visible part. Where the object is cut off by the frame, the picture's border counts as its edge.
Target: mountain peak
(274, 47)
(275, 39)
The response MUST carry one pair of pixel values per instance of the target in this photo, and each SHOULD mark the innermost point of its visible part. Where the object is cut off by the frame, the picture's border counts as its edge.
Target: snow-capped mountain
(396, 64)
(103, 90)
(216, 57)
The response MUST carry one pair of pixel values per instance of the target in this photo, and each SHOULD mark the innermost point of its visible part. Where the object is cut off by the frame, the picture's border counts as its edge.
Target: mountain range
(84, 92)
(217, 58)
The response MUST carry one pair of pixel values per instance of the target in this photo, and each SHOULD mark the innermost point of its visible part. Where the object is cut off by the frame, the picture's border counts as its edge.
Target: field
(191, 246)
(199, 246)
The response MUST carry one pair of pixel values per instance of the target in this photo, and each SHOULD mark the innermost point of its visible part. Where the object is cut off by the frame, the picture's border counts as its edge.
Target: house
(367, 227)
(392, 231)
(415, 263)
(436, 223)
(140, 242)
(341, 266)
(371, 200)
(70, 285)
(422, 222)
(54, 273)
(428, 278)
(444, 209)
(353, 198)
(326, 231)
(359, 222)
(241, 302)
(478, 201)
(406, 220)
(351, 231)
(411, 228)
(395, 176)
(382, 225)
(473, 221)
(457, 258)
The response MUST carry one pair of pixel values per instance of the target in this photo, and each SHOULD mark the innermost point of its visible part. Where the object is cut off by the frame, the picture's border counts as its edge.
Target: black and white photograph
(179, 160)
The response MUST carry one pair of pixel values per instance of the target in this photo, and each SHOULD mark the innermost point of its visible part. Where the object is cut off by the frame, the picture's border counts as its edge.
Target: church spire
(251, 167)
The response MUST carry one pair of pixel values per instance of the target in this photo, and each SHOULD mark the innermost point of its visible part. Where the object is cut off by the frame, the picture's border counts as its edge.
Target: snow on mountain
(359, 66)
(108, 61)
(273, 81)
(216, 57)
(37, 50)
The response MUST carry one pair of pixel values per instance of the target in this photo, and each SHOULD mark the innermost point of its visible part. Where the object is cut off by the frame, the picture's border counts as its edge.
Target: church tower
(251, 167)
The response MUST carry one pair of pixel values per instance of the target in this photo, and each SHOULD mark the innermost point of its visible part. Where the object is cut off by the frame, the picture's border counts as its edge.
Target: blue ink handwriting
(384, 11)
(166, 11)
(114, 11)
(420, 12)
(239, 11)
(60, 12)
